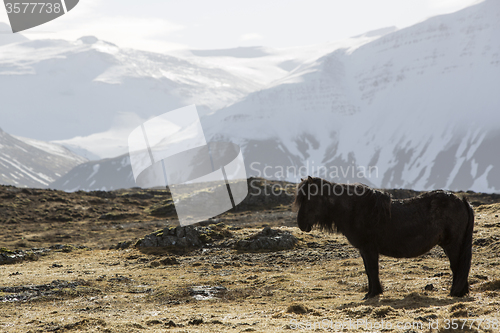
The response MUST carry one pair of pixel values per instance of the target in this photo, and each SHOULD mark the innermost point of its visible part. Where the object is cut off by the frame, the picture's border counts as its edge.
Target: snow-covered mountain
(106, 174)
(97, 92)
(33, 163)
(262, 65)
(416, 107)
(87, 86)
(419, 105)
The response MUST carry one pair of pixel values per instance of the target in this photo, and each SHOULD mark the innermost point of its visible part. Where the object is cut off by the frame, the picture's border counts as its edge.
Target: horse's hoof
(368, 296)
(458, 294)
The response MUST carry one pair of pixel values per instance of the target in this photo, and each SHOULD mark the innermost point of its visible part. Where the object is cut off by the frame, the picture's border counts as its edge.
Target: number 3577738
(33, 7)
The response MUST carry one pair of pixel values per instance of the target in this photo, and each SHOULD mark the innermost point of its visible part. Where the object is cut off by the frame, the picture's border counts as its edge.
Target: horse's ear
(301, 179)
(309, 179)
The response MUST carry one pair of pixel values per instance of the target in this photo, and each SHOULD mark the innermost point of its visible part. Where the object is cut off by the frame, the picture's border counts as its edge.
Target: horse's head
(309, 202)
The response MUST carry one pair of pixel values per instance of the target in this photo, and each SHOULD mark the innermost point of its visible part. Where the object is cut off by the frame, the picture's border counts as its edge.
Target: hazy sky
(160, 25)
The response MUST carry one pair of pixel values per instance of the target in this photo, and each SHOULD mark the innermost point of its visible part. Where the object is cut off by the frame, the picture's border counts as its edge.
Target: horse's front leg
(370, 259)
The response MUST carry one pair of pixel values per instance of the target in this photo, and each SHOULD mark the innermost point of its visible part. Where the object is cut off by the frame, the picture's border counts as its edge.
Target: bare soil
(86, 280)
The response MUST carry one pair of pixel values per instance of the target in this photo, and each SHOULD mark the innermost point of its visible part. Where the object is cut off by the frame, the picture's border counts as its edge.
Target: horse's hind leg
(370, 260)
(460, 266)
(459, 252)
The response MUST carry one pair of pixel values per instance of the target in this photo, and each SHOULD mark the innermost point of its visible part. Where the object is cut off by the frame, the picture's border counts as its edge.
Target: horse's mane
(376, 203)
(300, 195)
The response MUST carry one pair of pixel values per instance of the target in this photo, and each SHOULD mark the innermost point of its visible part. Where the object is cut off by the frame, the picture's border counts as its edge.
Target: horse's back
(436, 204)
(420, 223)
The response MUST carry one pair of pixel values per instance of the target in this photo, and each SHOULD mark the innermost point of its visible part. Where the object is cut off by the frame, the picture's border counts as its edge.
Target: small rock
(153, 322)
(196, 321)
(155, 264)
(123, 245)
(169, 261)
(202, 293)
(67, 248)
(482, 241)
(268, 239)
(136, 325)
(13, 257)
(429, 287)
(185, 237)
(297, 308)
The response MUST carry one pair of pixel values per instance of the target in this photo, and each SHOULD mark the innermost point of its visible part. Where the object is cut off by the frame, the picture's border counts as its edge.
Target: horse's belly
(404, 252)
(409, 246)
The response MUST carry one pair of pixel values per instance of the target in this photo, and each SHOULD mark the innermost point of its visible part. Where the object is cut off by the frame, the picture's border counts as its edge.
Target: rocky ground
(90, 262)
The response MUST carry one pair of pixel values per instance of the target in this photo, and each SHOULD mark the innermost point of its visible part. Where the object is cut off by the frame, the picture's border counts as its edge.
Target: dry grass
(120, 291)
(321, 281)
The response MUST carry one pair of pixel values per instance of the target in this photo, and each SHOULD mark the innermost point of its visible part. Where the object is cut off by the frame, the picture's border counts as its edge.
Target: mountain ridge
(33, 163)
(400, 102)
(419, 104)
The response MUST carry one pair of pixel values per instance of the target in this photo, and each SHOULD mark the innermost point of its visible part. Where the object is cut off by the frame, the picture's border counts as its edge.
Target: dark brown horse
(375, 224)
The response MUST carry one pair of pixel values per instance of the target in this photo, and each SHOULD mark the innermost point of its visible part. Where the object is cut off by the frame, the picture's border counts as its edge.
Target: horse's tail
(465, 254)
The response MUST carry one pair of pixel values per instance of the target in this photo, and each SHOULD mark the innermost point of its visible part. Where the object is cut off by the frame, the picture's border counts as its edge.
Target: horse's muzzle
(305, 228)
